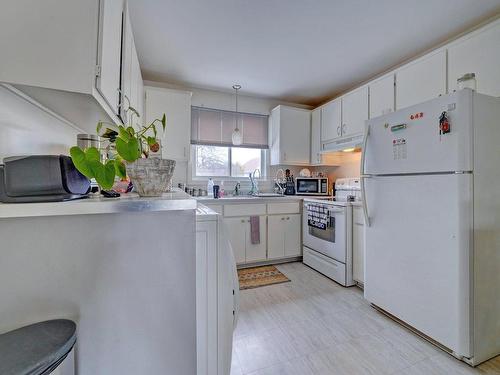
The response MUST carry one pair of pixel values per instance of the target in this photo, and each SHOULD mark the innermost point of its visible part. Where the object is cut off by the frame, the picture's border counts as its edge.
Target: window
(213, 152)
(217, 161)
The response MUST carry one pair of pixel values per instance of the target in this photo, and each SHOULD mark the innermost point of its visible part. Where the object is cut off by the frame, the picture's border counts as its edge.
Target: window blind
(214, 127)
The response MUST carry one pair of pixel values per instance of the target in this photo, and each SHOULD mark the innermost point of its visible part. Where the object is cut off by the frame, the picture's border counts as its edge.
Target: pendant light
(236, 136)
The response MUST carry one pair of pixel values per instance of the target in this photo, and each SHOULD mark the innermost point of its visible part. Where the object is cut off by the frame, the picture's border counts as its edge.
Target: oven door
(332, 240)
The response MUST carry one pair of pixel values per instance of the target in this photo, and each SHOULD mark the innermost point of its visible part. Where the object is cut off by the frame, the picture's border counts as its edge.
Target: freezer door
(417, 258)
(410, 141)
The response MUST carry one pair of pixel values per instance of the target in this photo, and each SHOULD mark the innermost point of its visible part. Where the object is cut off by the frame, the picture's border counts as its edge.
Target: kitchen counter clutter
(174, 201)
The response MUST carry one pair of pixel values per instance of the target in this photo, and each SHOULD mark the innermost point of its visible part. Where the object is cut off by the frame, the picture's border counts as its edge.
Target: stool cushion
(34, 349)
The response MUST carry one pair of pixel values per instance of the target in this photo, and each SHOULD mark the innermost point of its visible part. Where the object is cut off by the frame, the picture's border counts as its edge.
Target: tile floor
(314, 326)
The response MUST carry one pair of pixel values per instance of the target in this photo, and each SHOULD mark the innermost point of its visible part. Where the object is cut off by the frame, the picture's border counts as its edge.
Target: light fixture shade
(236, 137)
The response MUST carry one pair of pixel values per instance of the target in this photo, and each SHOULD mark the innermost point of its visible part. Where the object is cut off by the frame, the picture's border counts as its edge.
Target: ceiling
(301, 51)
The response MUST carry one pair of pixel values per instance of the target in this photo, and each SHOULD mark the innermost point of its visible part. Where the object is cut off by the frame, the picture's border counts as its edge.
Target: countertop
(250, 199)
(174, 201)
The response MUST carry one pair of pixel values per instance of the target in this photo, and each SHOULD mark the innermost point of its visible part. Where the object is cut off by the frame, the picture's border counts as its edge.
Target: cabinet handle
(338, 130)
(282, 218)
(243, 220)
(343, 128)
(288, 218)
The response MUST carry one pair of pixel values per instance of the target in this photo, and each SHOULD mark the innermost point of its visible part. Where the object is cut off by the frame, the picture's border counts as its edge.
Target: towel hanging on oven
(317, 216)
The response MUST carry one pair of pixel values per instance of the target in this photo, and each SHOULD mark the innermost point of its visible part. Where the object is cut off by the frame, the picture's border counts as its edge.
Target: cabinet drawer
(244, 209)
(357, 216)
(283, 208)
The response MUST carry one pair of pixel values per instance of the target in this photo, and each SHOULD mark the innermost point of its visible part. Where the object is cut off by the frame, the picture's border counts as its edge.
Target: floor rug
(260, 276)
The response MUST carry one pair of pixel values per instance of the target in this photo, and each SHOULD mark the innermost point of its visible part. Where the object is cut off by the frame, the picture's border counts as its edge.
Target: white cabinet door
(292, 235)
(294, 135)
(176, 105)
(315, 158)
(275, 245)
(382, 96)
(421, 80)
(477, 53)
(132, 84)
(354, 111)
(108, 82)
(257, 252)
(274, 139)
(236, 230)
(206, 297)
(331, 121)
(358, 245)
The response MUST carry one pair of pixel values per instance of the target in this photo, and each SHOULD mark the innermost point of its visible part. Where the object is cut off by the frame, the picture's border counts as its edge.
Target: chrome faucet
(280, 182)
(255, 187)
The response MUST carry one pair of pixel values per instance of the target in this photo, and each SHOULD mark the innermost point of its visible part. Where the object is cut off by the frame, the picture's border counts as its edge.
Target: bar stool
(37, 349)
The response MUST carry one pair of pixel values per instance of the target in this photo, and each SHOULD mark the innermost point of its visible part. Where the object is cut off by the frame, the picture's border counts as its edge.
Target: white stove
(327, 232)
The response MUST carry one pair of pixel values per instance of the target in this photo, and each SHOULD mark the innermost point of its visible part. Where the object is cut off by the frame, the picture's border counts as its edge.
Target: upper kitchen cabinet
(289, 130)
(354, 111)
(110, 49)
(315, 158)
(479, 53)
(421, 80)
(176, 105)
(331, 121)
(132, 83)
(382, 96)
(39, 56)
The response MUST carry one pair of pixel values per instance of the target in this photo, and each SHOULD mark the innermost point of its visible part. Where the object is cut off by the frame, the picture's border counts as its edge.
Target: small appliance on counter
(311, 186)
(41, 178)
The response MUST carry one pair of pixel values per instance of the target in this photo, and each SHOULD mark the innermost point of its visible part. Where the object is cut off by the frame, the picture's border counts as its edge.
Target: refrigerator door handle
(363, 176)
(363, 151)
(363, 197)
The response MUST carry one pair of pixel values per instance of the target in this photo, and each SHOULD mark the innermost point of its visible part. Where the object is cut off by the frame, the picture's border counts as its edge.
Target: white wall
(25, 129)
(226, 100)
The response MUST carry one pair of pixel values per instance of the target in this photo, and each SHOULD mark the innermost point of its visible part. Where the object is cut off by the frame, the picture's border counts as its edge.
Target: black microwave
(311, 186)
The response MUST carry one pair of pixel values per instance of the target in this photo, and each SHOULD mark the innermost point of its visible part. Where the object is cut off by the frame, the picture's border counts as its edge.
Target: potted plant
(134, 143)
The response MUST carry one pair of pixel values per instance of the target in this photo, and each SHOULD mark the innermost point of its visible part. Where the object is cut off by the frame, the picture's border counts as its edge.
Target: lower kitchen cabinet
(238, 229)
(284, 236)
(358, 245)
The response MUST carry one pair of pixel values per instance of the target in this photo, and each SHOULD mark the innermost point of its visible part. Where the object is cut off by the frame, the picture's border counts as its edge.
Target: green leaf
(122, 132)
(120, 169)
(131, 131)
(80, 161)
(92, 153)
(128, 150)
(164, 121)
(132, 109)
(99, 126)
(151, 141)
(104, 174)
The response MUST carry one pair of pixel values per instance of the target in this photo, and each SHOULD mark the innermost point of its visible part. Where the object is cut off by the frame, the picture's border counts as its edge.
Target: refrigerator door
(409, 140)
(418, 253)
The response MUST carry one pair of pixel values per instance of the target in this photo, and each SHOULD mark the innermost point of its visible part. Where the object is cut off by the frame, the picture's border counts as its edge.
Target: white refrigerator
(431, 186)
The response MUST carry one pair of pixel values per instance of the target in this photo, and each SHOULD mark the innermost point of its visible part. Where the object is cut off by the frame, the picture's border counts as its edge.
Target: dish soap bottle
(222, 192)
(210, 187)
